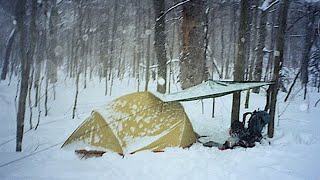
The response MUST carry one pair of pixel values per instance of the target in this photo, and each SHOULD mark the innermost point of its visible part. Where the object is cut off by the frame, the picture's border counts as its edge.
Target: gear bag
(246, 137)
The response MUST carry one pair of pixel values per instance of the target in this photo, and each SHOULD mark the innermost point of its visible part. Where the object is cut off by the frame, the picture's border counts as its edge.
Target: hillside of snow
(293, 153)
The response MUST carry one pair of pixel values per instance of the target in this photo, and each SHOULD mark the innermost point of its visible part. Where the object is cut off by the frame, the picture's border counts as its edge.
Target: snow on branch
(267, 4)
(173, 7)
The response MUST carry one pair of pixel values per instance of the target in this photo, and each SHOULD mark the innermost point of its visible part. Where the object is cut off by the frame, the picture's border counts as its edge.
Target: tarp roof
(209, 89)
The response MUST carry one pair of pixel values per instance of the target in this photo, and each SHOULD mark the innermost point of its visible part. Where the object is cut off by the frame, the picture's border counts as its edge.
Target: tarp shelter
(210, 89)
(132, 123)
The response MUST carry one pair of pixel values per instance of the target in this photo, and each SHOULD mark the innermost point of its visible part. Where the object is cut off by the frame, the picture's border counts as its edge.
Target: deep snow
(293, 153)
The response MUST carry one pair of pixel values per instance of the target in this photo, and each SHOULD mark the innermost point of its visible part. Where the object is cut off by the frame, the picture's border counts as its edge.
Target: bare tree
(239, 67)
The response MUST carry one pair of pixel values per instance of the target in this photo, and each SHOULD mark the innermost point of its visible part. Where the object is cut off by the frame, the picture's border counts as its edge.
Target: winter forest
(60, 59)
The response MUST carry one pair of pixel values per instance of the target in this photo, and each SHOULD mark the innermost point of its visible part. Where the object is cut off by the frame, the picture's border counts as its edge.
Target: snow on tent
(132, 123)
(210, 89)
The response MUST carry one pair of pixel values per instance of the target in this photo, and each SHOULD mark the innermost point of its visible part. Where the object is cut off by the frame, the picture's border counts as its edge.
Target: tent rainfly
(132, 123)
(209, 89)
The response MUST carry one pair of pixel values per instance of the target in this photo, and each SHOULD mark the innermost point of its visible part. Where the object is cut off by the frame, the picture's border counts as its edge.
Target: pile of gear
(242, 136)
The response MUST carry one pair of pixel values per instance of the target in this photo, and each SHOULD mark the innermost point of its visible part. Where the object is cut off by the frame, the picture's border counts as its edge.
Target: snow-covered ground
(293, 153)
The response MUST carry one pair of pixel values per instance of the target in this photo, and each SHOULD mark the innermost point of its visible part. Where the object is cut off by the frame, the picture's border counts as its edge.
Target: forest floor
(293, 153)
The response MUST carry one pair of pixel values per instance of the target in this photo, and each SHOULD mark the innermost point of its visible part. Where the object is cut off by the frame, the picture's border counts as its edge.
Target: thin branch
(291, 87)
(300, 19)
(269, 6)
(315, 105)
(173, 7)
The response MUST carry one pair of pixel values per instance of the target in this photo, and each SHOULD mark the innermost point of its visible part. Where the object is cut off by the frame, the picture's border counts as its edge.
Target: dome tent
(134, 122)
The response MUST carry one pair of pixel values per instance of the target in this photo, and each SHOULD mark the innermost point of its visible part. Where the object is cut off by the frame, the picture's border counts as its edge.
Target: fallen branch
(88, 154)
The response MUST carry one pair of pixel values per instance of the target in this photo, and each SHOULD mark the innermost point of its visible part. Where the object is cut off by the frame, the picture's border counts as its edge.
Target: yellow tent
(132, 123)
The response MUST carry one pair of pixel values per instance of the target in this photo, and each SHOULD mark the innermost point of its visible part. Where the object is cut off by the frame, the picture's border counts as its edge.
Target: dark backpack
(248, 136)
(257, 122)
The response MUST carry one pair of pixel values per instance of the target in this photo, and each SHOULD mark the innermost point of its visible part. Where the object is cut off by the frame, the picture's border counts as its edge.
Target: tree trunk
(248, 42)
(260, 47)
(222, 46)
(87, 46)
(228, 57)
(112, 45)
(39, 59)
(76, 97)
(235, 34)
(282, 22)
(52, 48)
(78, 51)
(20, 16)
(46, 109)
(30, 53)
(307, 47)
(193, 66)
(148, 59)
(29, 99)
(103, 54)
(7, 54)
(41, 55)
(240, 63)
(254, 30)
(213, 42)
(159, 44)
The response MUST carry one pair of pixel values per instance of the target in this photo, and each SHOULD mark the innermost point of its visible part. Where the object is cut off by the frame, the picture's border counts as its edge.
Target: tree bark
(282, 22)
(20, 16)
(31, 52)
(52, 61)
(240, 63)
(222, 46)
(193, 65)
(112, 45)
(7, 54)
(260, 47)
(159, 43)
(254, 30)
(39, 59)
(307, 47)
(148, 58)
